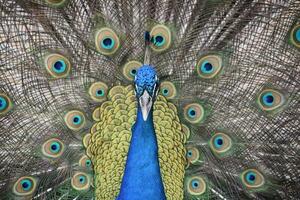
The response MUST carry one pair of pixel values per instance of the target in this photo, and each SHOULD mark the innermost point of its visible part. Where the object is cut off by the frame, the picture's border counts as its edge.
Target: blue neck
(142, 178)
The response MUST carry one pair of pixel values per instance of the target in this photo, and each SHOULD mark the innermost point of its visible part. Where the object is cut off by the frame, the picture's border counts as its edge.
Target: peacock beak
(145, 102)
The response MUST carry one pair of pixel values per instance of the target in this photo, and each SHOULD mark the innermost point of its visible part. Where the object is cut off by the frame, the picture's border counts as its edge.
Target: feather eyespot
(81, 181)
(56, 3)
(85, 162)
(5, 104)
(75, 120)
(58, 66)
(196, 185)
(25, 186)
(86, 140)
(186, 131)
(192, 155)
(161, 35)
(295, 36)
(209, 66)
(130, 69)
(252, 178)
(270, 99)
(107, 41)
(220, 143)
(98, 91)
(168, 90)
(53, 148)
(194, 113)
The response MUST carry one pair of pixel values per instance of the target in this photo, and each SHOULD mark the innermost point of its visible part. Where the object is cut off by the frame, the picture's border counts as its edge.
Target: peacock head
(146, 88)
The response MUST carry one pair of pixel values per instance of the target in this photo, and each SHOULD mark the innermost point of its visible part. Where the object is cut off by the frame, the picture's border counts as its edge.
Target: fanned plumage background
(252, 36)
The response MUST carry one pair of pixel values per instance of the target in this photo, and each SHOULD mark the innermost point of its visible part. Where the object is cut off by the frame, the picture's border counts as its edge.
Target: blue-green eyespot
(168, 89)
(130, 69)
(295, 35)
(98, 91)
(53, 148)
(209, 66)
(5, 104)
(193, 155)
(107, 41)
(162, 38)
(25, 186)
(75, 120)
(270, 99)
(196, 185)
(85, 162)
(252, 178)
(220, 143)
(57, 65)
(193, 113)
(81, 181)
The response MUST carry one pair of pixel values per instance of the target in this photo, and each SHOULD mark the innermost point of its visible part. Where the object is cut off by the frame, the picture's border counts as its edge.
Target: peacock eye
(24, 186)
(86, 140)
(186, 130)
(196, 185)
(80, 181)
(85, 162)
(161, 38)
(88, 163)
(130, 69)
(295, 35)
(107, 42)
(220, 143)
(53, 148)
(75, 120)
(192, 155)
(193, 113)
(98, 91)
(209, 66)
(5, 104)
(57, 65)
(252, 178)
(168, 90)
(56, 3)
(270, 100)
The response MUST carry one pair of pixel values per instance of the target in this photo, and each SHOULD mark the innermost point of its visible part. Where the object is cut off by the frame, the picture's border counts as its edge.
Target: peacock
(149, 99)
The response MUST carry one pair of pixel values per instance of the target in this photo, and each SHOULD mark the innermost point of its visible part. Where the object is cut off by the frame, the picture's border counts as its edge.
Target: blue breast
(142, 178)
